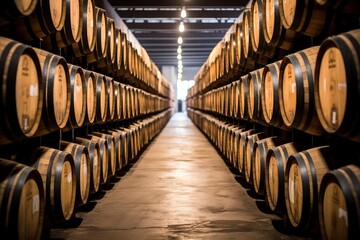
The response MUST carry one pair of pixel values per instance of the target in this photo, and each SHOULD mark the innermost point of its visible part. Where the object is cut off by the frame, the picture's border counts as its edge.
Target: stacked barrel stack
(80, 100)
(278, 97)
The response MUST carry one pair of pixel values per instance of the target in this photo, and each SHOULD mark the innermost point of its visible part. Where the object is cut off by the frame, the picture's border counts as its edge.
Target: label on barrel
(26, 93)
(332, 88)
(36, 204)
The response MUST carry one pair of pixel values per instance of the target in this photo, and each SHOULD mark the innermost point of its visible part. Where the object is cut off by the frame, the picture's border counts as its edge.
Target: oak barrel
(276, 160)
(72, 30)
(80, 155)
(21, 91)
(254, 96)
(117, 139)
(95, 167)
(57, 170)
(303, 174)
(258, 43)
(296, 91)
(101, 98)
(275, 33)
(270, 94)
(261, 148)
(78, 97)
(56, 91)
(111, 98)
(111, 46)
(339, 203)
(87, 41)
(90, 83)
(249, 154)
(48, 18)
(336, 85)
(243, 92)
(247, 49)
(242, 149)
(306, 17)
(12, 10)
(112, 151)
(101, 43)
(22, 202)
(103, 157)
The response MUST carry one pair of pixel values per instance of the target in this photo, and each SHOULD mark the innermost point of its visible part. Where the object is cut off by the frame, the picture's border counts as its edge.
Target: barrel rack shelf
(275, 97)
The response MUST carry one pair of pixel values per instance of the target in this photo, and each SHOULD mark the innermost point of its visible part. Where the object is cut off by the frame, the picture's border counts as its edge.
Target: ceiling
(155, 25)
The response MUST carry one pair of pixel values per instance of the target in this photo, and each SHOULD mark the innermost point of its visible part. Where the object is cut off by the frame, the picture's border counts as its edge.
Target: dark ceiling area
(156, 26)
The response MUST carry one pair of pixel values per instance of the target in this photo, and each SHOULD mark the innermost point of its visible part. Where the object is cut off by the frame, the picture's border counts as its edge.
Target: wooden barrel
(95, 168)
(12, 10)
(57, 170)
(117, 139)
(22, 201)
(258, 42)
(48, 18)
(129, 100)
(249, 154)
(112, 151)
(339, 201)
(243, 92)
(275, 34)
(231, 49)
(270, 94)
(235, 147)
(308, 18)
(296, 91)
(109, 60)
(101, 98)
(124, 101)
(118, 53)
(124, 53)
(56, 91)
(111, 98)
(78, 97)
(80, 155)
(101, 43)
(261, 148)
(118, 100)
(90, 83)
(242, 149)
(124, 146)
(303, 174)
(72, 30)
(276, 160)
(21, 91)
(254, 96)
(247, 49)
(103, 157)
(87, 41)
(336, 85)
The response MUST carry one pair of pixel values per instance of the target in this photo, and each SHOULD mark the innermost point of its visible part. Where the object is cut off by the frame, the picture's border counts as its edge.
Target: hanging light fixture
(179, 49)
(181, 27)
(180, 70)
(180, 40)
(183, 12)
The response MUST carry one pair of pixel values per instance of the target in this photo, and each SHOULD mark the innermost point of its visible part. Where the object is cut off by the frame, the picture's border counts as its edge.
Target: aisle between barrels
(180, 188)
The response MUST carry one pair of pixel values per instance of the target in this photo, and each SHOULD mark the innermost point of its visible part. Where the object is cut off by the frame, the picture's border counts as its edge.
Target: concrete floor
(180, 188)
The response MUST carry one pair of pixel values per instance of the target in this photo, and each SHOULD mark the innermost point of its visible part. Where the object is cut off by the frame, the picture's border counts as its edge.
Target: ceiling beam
(174, 41)
(184, 49)
(129, 14)
(174, 27)
(178, 3)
